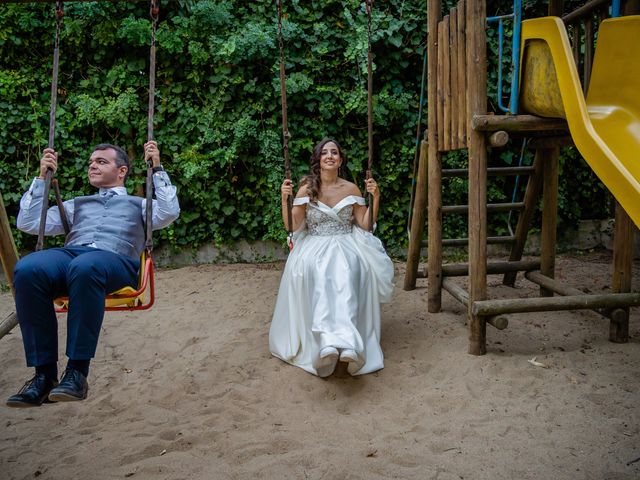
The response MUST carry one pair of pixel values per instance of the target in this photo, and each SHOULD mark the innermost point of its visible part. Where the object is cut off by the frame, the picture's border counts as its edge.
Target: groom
(101, 255)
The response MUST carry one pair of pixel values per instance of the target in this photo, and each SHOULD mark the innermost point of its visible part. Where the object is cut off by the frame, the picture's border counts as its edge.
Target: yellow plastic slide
(606, 125)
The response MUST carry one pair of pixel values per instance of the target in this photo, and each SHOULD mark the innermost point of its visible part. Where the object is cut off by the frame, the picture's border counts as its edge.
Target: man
(101, 255)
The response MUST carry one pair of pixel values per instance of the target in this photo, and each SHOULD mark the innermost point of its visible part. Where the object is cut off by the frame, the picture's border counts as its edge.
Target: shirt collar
(116, 190)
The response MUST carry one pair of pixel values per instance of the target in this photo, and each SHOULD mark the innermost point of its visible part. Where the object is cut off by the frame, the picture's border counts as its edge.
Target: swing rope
(285, 125)
(369, 7)
(154, 11)
(285, 128)
(49, 180)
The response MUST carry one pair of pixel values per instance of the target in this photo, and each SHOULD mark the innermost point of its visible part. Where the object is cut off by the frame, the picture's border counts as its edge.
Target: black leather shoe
(34, 393)
(73, 387)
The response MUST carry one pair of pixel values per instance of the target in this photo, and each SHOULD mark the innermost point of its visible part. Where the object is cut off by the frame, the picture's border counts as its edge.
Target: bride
(336, 276)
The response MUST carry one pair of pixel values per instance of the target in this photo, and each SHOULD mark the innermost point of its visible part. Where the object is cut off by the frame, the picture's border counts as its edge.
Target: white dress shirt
(165, 207)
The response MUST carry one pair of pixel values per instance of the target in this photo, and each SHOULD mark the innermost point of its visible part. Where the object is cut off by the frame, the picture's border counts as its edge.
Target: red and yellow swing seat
(141, 297)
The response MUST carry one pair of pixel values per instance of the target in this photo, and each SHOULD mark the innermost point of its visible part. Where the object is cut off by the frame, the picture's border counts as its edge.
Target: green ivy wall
(218, 106)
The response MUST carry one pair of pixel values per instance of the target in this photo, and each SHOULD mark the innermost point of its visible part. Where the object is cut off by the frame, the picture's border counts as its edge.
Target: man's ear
(123, 169)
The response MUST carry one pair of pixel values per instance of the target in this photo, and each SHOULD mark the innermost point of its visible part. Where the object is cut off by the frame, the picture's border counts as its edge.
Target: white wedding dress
(335, 278)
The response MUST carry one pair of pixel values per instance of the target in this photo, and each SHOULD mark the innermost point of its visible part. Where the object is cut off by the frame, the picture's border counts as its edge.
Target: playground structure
(603, 123)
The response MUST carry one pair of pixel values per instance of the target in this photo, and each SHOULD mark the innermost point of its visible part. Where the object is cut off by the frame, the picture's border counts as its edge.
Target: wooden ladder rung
(493, 171)
(491, 207)
(462, 242)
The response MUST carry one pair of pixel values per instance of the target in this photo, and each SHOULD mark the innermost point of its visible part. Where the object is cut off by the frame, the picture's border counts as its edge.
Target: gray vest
(108, 223)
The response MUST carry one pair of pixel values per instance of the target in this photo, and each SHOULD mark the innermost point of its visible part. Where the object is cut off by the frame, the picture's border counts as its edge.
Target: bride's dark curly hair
(312, 179)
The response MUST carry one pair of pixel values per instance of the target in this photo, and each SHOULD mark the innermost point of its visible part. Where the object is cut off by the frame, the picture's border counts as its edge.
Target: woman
(337, 274)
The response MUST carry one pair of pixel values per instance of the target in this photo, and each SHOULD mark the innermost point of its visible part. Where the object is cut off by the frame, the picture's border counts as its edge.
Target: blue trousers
(85, 275)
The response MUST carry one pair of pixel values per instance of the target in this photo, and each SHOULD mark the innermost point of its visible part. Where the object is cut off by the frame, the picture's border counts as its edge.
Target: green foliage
(218, 104)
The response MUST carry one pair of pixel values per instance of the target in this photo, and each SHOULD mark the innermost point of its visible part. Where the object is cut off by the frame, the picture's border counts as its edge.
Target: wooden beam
(417, 220)
(583, 11)
(517, 123)
(534, 186)
(492, 207)
(549, 304)
(8, 324)
(491, 171)
(500, 322)
(493, 268)
(463, 242)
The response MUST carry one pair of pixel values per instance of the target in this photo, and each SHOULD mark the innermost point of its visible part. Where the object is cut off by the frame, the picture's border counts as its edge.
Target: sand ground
(189, 390)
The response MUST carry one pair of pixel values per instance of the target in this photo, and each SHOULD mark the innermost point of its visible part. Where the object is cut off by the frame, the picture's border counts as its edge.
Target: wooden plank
(440, 88)
(531, 195)
(434, 236)
(417, 220)
(551, 304)
(455, 94)
(462, 75)
(622, 272)
(446, 85)
(517, 123)
(548, 233)
(477, 105)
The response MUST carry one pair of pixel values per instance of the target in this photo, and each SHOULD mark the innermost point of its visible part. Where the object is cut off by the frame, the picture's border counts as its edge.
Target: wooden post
(434, 226)
(9, 257)
(531, 194)
(477, 105)
(556, 7)
(417, 220)
(8, 252)
(434, 251)
(549, 215)
(622, 272)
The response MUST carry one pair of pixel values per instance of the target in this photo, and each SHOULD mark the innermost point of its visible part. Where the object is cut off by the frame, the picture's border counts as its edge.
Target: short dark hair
(122, 159)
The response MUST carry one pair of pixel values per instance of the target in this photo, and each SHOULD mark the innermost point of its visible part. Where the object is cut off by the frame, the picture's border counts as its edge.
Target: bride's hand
(371, 187)
(286, 190)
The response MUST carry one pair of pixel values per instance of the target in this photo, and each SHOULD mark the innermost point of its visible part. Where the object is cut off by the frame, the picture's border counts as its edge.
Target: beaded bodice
(321, 223)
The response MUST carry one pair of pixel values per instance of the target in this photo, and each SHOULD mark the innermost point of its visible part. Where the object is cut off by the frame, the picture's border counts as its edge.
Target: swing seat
(127, 298)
